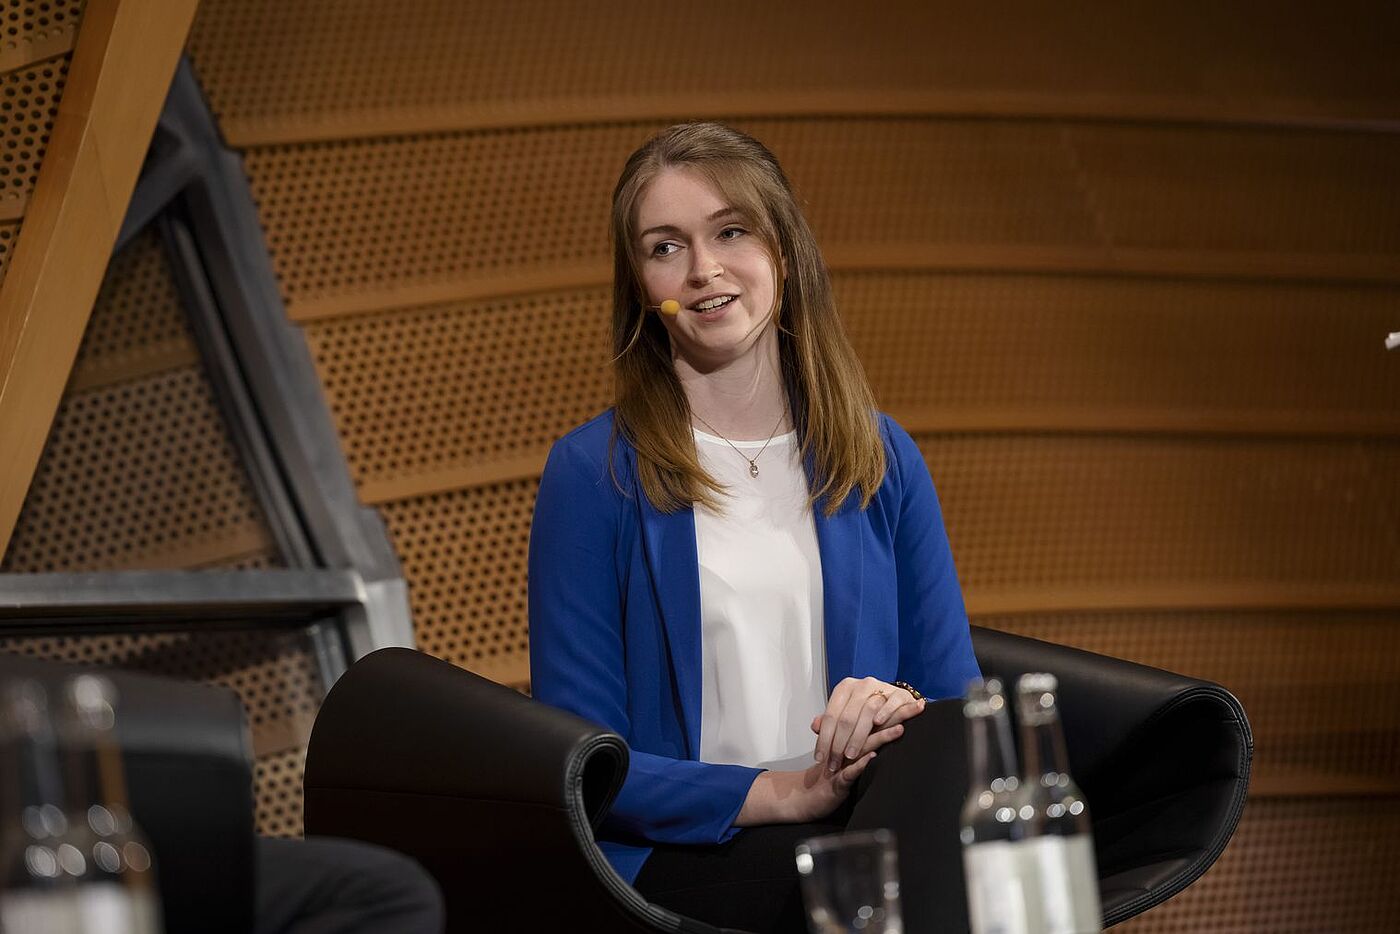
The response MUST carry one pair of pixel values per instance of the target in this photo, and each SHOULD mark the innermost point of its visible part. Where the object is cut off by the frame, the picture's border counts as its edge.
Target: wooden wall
(1123, 270)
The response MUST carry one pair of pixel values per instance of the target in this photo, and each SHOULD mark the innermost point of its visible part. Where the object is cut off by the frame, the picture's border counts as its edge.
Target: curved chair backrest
(495, 794)
(1163, 760)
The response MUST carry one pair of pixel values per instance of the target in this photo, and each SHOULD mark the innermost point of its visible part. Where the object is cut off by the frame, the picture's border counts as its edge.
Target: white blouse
(761, 616)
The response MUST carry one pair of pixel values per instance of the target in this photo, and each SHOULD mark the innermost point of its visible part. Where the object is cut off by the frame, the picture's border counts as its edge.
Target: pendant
(753, 469)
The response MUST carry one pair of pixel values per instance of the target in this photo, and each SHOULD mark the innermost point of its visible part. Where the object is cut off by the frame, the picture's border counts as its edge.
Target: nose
(704, 267)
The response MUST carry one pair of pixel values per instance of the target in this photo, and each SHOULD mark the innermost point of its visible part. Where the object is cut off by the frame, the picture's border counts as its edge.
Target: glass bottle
(117, 894)
(1061, 850)
(994, 826)
(39, 863)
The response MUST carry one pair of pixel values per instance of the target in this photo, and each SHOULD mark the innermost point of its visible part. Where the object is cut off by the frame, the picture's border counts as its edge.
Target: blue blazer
(614, 591)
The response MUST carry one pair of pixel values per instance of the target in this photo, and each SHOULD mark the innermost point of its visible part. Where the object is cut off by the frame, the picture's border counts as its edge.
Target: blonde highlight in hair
(830, 401)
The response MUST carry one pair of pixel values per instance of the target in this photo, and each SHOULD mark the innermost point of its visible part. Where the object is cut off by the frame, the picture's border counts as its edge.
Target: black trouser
(915, 787)
(323, 885)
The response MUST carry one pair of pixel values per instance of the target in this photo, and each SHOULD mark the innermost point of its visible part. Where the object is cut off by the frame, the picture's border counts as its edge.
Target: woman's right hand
(799, 797)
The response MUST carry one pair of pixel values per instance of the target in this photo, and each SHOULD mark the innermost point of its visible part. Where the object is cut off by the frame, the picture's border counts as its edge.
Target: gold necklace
(753, 461)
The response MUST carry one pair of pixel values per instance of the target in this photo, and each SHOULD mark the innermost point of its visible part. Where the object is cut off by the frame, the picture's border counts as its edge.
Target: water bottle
(1061, 881)
(40, 861)
(994, 827)
(117, 893)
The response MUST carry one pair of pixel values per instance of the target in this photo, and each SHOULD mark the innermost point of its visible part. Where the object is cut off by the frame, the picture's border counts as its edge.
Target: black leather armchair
(1163, 760)
(498, 795)
(189, 776)
(495, 794)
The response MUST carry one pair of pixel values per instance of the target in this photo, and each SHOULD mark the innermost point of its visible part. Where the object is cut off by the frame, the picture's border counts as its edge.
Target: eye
(664, 248)
(732, 233)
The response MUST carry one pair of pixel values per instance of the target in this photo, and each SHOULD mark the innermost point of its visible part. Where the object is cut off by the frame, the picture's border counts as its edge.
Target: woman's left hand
(862, 715)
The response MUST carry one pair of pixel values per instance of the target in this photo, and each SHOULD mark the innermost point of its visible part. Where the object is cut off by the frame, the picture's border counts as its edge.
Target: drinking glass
(850, 883)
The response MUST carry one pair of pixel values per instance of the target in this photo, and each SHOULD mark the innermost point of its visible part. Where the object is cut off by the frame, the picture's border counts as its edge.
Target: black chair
(1163, 761)
(498, 795)
(189, 774)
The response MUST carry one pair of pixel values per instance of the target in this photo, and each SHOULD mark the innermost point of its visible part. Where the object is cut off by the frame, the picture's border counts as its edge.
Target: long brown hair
(830, 402)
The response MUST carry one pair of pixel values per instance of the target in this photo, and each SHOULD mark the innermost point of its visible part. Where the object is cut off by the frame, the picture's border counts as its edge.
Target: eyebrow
(668, 228)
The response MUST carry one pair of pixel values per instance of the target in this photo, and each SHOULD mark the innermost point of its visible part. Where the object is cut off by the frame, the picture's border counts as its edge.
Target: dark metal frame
(344, 582)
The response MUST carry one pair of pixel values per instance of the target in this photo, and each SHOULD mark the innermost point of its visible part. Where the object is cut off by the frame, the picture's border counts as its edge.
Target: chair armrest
(404, 721)
(188, 765)
(1163, 759)
(494, 793)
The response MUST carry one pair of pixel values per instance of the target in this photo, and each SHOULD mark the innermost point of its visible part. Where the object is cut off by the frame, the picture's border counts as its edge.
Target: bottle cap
(1037, 682)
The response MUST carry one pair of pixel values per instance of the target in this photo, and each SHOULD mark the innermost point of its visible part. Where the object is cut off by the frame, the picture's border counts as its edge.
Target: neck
(742, 399)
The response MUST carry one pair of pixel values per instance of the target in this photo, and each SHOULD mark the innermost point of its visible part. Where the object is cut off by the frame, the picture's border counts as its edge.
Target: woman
(741, 568)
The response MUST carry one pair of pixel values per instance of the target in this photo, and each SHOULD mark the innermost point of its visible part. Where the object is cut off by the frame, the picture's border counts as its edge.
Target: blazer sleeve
(935, 645)
(577, 656)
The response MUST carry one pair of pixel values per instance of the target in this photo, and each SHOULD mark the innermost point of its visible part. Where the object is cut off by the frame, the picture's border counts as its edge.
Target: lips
(712, 303)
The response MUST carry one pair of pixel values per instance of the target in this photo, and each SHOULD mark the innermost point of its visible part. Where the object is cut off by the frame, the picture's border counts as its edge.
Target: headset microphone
(670, 307)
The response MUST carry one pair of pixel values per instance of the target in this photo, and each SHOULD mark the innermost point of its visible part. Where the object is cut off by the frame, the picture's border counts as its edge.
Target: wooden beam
(454, 117)
(123, 61)
(1073, 260)
(1039, 418)
(962, 420)
(1183, 596)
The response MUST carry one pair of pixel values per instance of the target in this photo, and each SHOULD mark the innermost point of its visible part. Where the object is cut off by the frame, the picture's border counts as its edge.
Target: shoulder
(592, 437)
(581, 455)
(907, 478)
(900, 450)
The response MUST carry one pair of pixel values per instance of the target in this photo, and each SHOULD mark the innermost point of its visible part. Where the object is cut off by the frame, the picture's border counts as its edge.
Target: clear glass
(850, 883)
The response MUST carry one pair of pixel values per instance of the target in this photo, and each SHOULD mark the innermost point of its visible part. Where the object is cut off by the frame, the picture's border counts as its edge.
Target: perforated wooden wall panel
(1299, 356)
(1299, 866)
(140, 472)
(1052, 510)
(36, 29)
(382, 222)
(1322, 689)
(28, 106)
(142, 329)
(357, 216)
(347, 68)
(385, 221)
(277, 779)
(408, 411)
(1282, 190)
(8, 234)
(464, 555)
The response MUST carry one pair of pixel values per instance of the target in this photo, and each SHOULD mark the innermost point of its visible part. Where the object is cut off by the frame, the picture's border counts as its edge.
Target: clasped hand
(862, 715)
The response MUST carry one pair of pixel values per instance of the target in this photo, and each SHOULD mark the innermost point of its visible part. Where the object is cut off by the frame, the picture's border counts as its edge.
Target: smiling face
(695, 248)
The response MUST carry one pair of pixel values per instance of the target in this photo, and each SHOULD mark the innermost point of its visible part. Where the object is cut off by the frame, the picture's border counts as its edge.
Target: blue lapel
(843, 567)
(669, 540)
